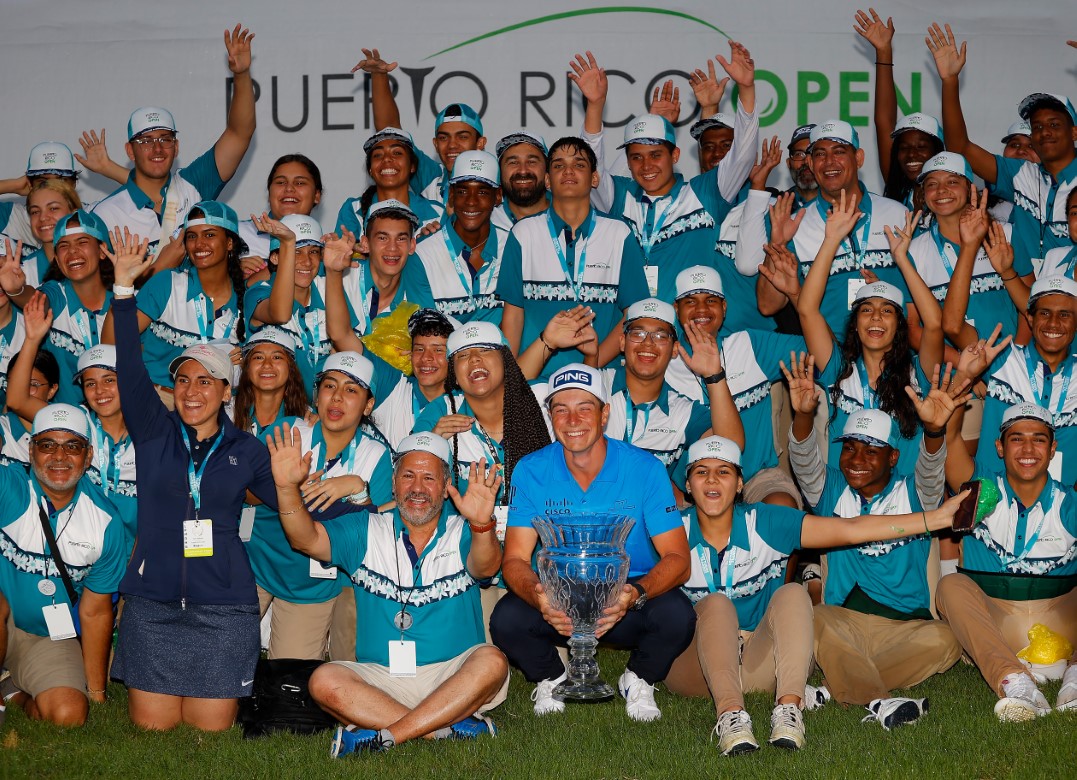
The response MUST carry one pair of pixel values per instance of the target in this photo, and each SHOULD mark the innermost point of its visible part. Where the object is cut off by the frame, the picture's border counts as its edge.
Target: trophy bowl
(583, 566)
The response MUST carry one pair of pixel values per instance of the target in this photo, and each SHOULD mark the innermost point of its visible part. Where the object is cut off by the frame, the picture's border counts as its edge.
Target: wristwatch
(639, 602)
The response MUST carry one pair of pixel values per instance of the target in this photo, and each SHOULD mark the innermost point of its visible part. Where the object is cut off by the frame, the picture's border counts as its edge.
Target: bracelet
(481, 529)
(926, 529)
(283, 514)
(934, 434)
(714, 379)
(16, 294)
(362, 498)
(885, 64)
(550, 349)
(119, 289)
(1010, 279)
(91, 690)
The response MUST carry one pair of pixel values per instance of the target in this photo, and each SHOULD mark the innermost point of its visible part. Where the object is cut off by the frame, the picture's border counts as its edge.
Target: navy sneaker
(472, 727)
(360, 740)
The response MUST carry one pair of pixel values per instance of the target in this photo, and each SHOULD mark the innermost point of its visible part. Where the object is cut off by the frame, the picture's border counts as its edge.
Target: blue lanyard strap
(576, 280)
(346, 457)
(946, 247)
(469, 280)
(630, 416)
(194, 478)
(1042, 394)
(1030, 540)
(652, 222)
(871, 398)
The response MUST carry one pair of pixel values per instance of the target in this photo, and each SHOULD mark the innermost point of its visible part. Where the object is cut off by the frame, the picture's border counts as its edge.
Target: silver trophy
(583, 566)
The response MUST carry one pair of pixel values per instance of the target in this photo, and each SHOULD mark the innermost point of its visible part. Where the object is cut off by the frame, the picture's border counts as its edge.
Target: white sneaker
(545, 701)
(814, 698)
(639, 697)
(787, 727)
(734, 730)
(1067, 694)
(895, 711)
(1022, 701)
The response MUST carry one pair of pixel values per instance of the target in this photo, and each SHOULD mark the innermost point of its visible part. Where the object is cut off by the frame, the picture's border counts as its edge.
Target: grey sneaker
(787, 727)
(734, 730)
(1022, 700)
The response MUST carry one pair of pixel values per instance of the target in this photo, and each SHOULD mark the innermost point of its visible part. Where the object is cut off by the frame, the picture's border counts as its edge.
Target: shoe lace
(543, 689)
(786, 715)
(732, 720)
(640, 691)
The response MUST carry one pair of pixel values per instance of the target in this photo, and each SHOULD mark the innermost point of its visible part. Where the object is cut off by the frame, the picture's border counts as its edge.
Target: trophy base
(584, 691)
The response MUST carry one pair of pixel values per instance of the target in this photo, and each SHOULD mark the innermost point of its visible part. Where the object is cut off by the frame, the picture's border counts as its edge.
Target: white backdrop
(72, 65)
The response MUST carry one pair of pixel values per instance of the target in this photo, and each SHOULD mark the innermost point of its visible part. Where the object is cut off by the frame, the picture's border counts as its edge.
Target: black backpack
(281, 700)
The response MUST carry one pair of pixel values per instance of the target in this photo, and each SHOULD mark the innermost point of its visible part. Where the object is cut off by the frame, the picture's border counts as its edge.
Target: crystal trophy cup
(583, 566)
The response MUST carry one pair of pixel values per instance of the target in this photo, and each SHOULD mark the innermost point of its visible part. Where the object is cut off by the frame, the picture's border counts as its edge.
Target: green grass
(960, 738)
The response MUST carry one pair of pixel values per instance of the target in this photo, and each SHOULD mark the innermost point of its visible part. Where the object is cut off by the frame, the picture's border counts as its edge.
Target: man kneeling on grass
(421, 667)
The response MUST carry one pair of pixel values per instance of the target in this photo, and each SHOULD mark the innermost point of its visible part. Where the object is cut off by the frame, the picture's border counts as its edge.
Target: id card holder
(197, 538)
(501, 516)
(58, 621)
(1054, 468)
(246, 523)
(402, 658)
(651, 273)
(320, 571)
(854, 287)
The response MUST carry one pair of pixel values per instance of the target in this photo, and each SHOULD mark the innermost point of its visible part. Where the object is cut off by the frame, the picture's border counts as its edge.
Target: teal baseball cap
(459, 112)
(87, 222)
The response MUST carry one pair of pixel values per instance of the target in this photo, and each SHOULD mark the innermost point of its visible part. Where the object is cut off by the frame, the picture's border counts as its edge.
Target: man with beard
(53, 515)
(522, 157)
(421, 667)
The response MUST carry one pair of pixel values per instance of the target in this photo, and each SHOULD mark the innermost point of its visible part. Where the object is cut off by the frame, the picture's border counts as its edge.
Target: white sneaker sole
(739, 748)
(1016, 711)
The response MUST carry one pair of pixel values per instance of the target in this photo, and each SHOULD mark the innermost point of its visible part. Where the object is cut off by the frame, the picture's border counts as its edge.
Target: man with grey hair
(421, 667)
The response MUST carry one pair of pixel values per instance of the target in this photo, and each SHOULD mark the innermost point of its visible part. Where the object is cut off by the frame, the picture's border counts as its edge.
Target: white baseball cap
(649, 129)
(351, 364)
(1020, 127)
(476, 165)
(714, 447)
(51, 157)
(389, 133)
(98, 356)
(1051, 285)
(576, 376)
(698, 279)
(1038, 100)
(703, 125)
(883, 290)
(946, 161)
(212, 358)
(835, 130)
(651, 308)
(475, 334)
(308, 231)
(61, 417)
(521, 137)
(270, 334)
(925, 123)
(423, 442)
(143, 120)
(392, 205)
(1019, 412)
(871, 426)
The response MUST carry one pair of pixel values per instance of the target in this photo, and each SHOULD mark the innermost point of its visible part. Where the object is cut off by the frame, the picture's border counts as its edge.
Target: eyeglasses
(798, 156)
(48, 446)
(639, 335)
(166, 143)
(35, 385)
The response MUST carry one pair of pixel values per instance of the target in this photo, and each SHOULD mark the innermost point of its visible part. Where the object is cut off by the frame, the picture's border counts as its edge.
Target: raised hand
(783, 223)
(337, 253)
(706, 358)
(842, 217)
(976, 357)
(974, 219)
(740, 66)
(94, 155)
(238, 43)
(707, 88)
(588, 77)
(999, 249)
(12, 277)
(569, 328)
(945, 394)
(800, 376)
(37, 318)
(373, 63)
(769, 157)
(900, 238)
(780, 269)
(477, 505)
(319, 493)
(949, 59)
(666, 101)
(290, 466)
(873, 30)
(274, 227)
(128, 256)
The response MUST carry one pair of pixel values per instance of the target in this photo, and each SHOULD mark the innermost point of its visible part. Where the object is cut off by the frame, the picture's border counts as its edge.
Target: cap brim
(697, 291)
(646, 142)
(466, 178)
(83, 436)
(358, 380)
(174, 366)
(563, 388)
(862, 438)
(1010, 423)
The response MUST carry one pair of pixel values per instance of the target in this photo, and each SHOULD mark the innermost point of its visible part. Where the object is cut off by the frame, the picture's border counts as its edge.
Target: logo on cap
(470, 333)
(153, 116)
(423, 440)
(476, 165)
(698, 278)
(60, 415)
(304, 228)
(863, 423)
(650, 307)
(50, 157)
(582, 377)
(348, 361)
(639, 127)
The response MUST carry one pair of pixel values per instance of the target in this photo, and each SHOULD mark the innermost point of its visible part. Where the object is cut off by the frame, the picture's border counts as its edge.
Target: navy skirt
(205, 651)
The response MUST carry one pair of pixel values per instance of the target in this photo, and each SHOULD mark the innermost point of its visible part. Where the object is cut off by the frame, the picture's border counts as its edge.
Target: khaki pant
(37, 663)
(490, 597)
(864, 657)
(342, 626)
(723, 662)
(993, 630)
(296, 630)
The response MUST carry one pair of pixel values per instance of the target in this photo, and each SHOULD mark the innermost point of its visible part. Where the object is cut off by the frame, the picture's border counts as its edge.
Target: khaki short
(769, 481)
(37, 663)
(412, 691)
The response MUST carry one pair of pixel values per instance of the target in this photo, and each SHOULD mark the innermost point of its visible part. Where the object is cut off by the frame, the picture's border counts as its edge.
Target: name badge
(197, 538)
(320, 571)
(401, 658)
(854, 287)
(246, 523)
(501, 516)
(59, 622)
(651, 272)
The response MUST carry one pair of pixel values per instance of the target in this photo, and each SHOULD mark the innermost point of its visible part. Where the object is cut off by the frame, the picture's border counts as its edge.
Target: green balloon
(989, 498)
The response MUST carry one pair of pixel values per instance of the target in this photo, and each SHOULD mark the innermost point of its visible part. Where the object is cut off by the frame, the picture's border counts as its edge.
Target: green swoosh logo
(614, 9)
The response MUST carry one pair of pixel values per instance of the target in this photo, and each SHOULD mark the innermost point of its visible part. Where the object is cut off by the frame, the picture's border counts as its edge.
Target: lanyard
(106, 458)
(256, 429)
(361, 309)
(194, 478)
(87, 331)
(346, 457)
(630, 417)
(856, 247)
(1042, 395)
(729, 557)
(871, 399)
(945, 247)
(205, 324)
(652, 222)
(469, 280)
(575, 280)
(1031, 540)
